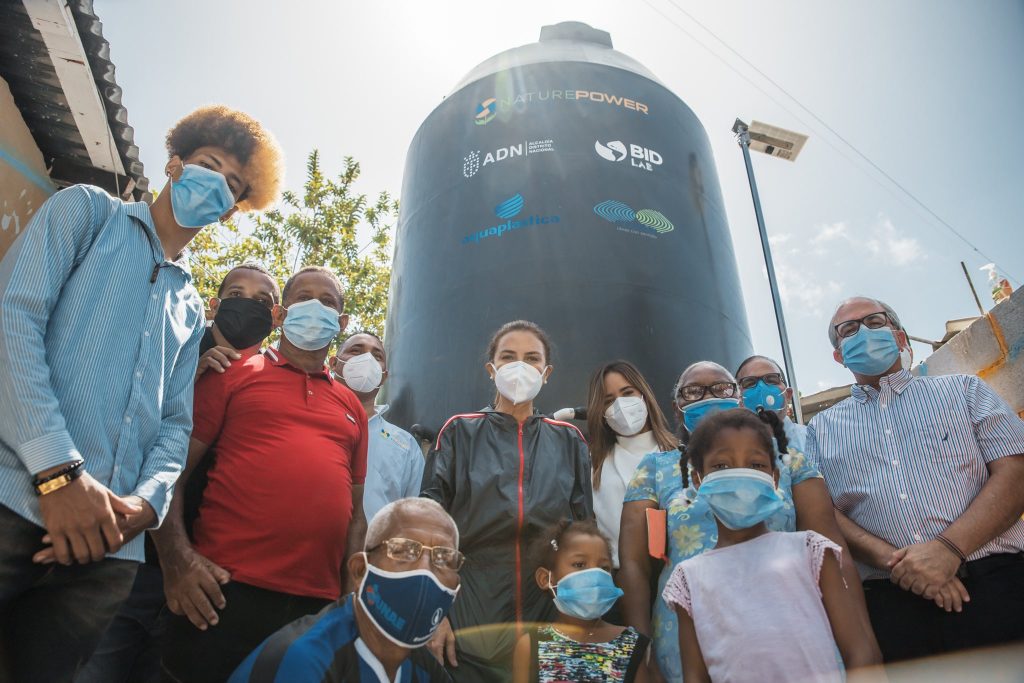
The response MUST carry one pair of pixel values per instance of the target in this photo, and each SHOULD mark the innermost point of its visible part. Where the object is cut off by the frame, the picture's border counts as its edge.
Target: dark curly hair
(765, 423)
(545, 546)
(241, 135)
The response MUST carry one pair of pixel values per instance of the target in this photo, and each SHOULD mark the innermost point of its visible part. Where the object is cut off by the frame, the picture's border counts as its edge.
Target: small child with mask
(761, 605)
(574, 564)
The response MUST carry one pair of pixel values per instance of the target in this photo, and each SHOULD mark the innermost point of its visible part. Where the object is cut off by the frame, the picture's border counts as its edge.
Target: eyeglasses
(695, 392)
(771, 378)
(848, 328)
(407, 550)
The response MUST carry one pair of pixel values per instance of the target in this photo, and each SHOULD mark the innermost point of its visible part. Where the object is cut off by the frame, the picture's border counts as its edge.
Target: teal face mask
(199, 197)
(762, 395)
(740, 497)
(870, 352)
(695, 412)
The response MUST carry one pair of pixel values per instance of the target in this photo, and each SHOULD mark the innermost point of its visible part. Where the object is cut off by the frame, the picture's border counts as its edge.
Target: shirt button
(917, 537)
(895, 462)
(127, 419)
(146, 333)
(903, 496)
(154, 296)
(888, 431)
(138, 373)
(310, 392)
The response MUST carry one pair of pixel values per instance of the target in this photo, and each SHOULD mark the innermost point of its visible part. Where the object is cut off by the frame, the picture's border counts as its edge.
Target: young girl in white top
(624, 424)
(761, 605)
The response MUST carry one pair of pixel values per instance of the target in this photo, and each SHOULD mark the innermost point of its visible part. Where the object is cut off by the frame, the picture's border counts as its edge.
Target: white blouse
(616, 474)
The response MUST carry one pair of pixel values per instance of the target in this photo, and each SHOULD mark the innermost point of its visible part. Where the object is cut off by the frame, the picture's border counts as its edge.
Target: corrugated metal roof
(27, 66)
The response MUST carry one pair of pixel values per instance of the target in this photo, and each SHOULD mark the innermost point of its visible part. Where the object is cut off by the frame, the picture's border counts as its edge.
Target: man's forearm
(865, 546)
(997, 506)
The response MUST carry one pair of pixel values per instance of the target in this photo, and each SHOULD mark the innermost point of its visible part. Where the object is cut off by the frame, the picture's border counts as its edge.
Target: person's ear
(229, 214)
(837, 355)
(775, 476)
(342, 322)
(490, 370)
(174, 168)
(383, 376)
(278, 314)
(547, 373)
(901, 339)
(214, 304)
(695, 479)
(357, 566)
(332, 362)
(543, 578)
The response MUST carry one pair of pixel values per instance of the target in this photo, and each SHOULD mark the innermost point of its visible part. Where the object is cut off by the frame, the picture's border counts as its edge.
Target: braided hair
(766, 422)
(546, 545)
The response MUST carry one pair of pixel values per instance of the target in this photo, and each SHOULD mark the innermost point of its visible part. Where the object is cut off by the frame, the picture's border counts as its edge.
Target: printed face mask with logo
(199, 197)
(406, 607)
(764, 395)
(362, 373)
(697, 411)
(627, 415)
(243, 322)
(870, 352)
(310, 325)
(586, 594)
(740, 497)
(518, 382)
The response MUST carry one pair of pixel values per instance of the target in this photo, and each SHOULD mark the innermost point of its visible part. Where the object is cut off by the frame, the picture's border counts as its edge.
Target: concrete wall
(990, 348)
(24, 182)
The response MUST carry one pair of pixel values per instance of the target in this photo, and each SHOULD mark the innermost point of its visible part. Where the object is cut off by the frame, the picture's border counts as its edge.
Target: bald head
(399, 516)
(858, 307)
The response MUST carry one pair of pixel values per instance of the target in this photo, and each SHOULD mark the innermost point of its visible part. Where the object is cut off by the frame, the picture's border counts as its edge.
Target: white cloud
(804, 291)
(779, 240)
(891, 246)
(830, 232)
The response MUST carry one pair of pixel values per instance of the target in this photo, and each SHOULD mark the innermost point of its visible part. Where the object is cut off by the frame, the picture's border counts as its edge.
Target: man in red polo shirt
(283, 507)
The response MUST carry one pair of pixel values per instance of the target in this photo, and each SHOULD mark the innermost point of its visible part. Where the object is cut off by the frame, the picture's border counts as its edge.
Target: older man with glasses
(927, 476)
(408, 578)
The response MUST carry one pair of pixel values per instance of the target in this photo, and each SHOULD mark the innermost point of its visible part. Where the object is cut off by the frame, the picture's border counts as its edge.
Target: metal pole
(970, 283)
(743, 138)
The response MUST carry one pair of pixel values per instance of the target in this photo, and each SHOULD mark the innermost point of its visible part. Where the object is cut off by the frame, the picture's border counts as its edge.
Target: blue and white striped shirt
(96, 361)
(394, 465)
(904, 462)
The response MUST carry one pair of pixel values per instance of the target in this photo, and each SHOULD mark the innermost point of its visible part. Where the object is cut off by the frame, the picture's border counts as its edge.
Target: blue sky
(929, 91)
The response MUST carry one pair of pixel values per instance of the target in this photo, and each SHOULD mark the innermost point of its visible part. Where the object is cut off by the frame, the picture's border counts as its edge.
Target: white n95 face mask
(362, 373)
(518, 381)
(627, 415)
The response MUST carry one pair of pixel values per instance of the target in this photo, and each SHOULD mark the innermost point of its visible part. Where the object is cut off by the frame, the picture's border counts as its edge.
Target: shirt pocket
(940, 445)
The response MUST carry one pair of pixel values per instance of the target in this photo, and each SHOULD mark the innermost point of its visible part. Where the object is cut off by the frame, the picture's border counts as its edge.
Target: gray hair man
(927, 476)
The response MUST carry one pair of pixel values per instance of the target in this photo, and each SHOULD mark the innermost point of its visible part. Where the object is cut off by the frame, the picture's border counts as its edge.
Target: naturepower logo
(645, 221)
(488, 109)
(639, 157)
(508, 209)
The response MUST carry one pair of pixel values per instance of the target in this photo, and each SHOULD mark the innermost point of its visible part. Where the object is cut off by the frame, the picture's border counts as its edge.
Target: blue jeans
(129, 651)
(52, 616)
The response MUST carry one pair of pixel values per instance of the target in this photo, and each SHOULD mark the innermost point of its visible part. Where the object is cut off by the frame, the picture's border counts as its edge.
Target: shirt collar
(140, 212)
(897, 381)
(277, 359)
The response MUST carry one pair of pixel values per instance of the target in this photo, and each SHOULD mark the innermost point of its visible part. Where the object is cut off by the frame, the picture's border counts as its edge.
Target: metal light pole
(785, 149)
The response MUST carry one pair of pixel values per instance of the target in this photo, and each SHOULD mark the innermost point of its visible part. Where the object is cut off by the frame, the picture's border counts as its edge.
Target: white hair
(380, 525)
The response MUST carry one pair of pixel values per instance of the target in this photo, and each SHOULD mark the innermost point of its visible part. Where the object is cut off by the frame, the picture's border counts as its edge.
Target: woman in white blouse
(624, 424)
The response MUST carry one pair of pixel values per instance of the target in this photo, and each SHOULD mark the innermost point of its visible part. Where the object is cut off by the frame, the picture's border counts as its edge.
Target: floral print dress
(691, 530)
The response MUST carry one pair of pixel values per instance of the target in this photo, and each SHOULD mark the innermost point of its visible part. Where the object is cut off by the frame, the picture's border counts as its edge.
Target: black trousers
(908, 626)
(52, 616)
(251, 614)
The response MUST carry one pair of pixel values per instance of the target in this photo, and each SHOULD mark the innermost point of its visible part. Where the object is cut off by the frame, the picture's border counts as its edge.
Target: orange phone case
(657, 521)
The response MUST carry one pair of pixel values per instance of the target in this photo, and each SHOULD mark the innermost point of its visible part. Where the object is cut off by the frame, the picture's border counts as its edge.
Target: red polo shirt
(290, 446)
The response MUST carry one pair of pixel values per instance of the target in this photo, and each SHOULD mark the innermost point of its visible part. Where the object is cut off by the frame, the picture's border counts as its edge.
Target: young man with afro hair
(99, 336)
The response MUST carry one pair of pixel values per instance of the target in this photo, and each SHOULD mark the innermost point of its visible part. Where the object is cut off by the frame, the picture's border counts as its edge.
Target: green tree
(318, 226)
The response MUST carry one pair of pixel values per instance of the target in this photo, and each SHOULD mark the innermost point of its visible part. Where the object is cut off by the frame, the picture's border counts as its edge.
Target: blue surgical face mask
(740, 497)
(310, 325)
(586, 594)
(406, 607)
(763, 395)
(697, 411)
(870, 352)
(199, 197)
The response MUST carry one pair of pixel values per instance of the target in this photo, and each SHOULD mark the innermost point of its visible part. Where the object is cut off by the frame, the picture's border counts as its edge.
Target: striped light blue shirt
(96, 360)
(394, 465)
(904, 462)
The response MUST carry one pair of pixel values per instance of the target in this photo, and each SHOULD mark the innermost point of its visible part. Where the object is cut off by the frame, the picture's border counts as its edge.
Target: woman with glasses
(504, 474)
(662, 482)
(762, 384)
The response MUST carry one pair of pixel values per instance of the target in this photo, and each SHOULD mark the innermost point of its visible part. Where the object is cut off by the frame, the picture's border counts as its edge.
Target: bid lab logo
(473, 162)
(639, 157)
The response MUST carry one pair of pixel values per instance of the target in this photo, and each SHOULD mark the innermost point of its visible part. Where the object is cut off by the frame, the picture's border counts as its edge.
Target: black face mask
(243, 322)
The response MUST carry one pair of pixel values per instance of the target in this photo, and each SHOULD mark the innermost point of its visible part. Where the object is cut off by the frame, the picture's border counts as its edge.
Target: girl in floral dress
(575, 565)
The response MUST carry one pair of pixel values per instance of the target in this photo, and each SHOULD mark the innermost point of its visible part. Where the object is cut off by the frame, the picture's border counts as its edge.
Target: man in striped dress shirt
(99, 333)
(927, 477)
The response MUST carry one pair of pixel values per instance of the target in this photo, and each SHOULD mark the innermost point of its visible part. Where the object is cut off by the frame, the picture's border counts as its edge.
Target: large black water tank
(559, 182)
